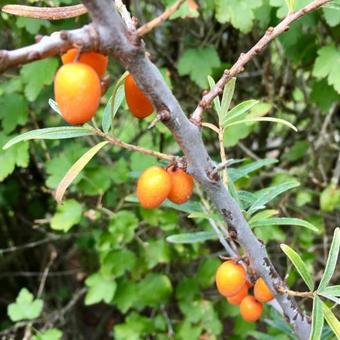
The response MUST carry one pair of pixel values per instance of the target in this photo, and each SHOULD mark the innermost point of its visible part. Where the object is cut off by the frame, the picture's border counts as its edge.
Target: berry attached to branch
(153, 187)
(261, 291)
(182, 186)
(139, 105)
(96, 60)
(251, 309)
(77, 92)
(230, 278)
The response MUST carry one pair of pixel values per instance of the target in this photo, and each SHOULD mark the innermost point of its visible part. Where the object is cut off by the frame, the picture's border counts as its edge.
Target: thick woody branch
(58, 42)
(244, 58)
(49, 46)
(127, 48)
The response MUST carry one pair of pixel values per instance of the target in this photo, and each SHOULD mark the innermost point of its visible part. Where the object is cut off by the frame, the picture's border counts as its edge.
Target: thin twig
(296, 294)
(244, 58)
(146, 28)
(136, 148)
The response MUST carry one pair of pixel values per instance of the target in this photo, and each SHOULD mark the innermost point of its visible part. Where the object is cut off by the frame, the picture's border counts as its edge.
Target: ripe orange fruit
(182, 186)
(237, 298)
(96, 60)
(153, 187)
(230, 278)
(261, 291)
(77, 92)
(250, 309)
(139, 105)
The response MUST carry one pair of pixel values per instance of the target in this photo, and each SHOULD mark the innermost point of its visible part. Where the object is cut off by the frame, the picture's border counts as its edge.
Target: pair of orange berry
(156, 184)
(77, 86)
(231, 282)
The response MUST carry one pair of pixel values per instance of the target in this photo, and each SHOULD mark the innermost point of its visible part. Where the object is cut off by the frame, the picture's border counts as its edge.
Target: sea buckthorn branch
(60, 41)
(127, 48)
(244, 58)
(136, 148)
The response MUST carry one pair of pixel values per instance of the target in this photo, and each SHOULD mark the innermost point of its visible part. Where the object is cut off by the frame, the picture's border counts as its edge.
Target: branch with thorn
(244, 58)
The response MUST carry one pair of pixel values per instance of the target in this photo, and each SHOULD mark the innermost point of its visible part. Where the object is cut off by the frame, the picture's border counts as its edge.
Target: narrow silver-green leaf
(243, 171)
(330, 297)
(199, 236)
(299, 265)
(331, 319)
(114, 103)
(284, 221)
(54, 106)
(331, 290)
(290, 5)
(270, 194)
(217, 102)
(239, 110)
(331, 261)
(262, 119)
(75, 169)
(228, 93)
(51, 133)
(317, 319)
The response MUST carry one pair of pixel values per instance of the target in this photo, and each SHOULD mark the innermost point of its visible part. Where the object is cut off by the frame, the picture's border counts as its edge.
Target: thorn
(163, 116)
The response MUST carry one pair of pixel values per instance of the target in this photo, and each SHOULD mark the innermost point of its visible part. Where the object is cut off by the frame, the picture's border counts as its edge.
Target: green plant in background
(153, 270)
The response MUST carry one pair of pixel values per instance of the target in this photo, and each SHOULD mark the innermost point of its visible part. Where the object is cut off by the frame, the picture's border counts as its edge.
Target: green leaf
(262, 119)
(117, 262)
(299, 265)
(135, 327)
(331, 290)
(331, 15)
(228, 94)
(76, 168)
(68, 214)
(331, 261)
(37, 74)
(317, 319)
(54, 106)
(198, 63)
(243, 171)
(32, 26)
(330, 198)
(326, 65)
(114, 103)
(51, 133)
(239, 110)
(331, 319)
(240, 13)
(330, 297)
(270, 193)
(196, 237)
(153, 290)
(284, 221)
(9, 159)
(24, 307)
(263, 215)
(50, 334)
(155, 252)
(290, 5)
(100, 288)
(206, 272)
(216, 101)
(13, 112)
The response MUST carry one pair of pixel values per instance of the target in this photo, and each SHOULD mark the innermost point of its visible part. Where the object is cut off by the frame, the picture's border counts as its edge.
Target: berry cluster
(232, 283)
(156, 184)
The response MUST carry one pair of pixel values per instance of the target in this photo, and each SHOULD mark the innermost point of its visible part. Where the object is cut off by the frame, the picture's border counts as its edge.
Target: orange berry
(261, 291)
(96, 60)
(153, 187)
(250, 309)
(139, 105)
(182, 186)
(237, 298)
(77, 92)
(230, 278)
